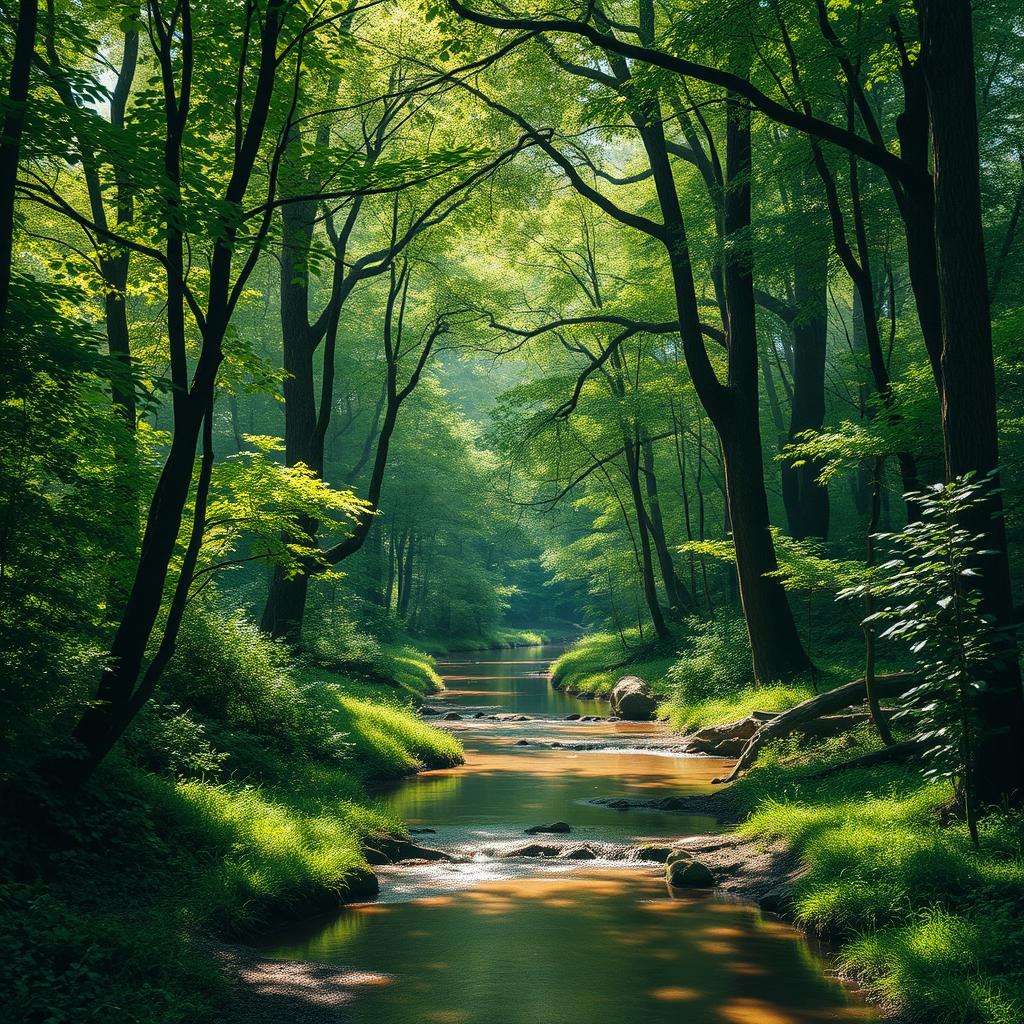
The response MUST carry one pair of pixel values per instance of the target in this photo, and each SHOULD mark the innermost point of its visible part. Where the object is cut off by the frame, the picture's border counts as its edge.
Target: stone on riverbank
(534, 850)
(556, 827)
(651, 852)
(684, 871)
(726, 740)
(632, 699)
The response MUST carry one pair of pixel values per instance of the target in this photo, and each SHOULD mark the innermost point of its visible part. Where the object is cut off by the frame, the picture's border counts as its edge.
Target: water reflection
(602, 946)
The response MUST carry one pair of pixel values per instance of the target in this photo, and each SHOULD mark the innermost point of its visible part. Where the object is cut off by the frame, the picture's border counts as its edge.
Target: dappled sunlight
(674, 994)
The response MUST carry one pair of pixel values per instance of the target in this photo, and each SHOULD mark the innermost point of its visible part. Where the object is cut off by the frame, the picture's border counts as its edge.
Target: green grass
(597, 661)
(933, 927)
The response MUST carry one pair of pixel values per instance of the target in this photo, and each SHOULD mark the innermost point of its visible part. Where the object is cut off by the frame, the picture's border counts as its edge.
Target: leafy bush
(715, 662)
(242, 687)
(167, 740)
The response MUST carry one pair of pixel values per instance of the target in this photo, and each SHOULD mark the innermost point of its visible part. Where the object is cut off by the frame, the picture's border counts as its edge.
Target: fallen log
(791, 721)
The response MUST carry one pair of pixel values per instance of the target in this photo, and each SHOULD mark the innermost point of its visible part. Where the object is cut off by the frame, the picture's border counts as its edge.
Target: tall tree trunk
(775, 643)
(807, 504)
(286, 598)
(969, 423)
(10, 140)
(650, 587)
(405, 581)
(733, 408)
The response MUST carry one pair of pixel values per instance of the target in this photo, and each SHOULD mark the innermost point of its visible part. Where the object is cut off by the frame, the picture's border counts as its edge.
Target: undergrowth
(238, 799)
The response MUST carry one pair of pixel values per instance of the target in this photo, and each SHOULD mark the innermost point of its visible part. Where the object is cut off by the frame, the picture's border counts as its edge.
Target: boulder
(633, 700)
(726, 740)
(522, 743)
(578, 853)
(534, 850)
(688, 872)
(572, 718)
(453, 716)
(651, 852)
(425, 710)
(556, 827)
(391, 851)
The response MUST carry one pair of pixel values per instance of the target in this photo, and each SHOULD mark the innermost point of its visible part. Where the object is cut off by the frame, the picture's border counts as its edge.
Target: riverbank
(499, 640)
(243, 802)
(927, 924)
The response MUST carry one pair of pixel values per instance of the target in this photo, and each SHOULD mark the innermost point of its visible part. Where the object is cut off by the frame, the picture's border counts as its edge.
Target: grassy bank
(932, 927)
(240, 802)
(594, 663)
(500, 639)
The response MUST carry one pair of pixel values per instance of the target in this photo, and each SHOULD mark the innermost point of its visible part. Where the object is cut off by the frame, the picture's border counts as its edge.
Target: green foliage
(715, 660)
(935, 608)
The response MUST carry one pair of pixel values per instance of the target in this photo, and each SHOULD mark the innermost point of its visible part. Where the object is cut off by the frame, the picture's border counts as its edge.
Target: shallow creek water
(498, 940)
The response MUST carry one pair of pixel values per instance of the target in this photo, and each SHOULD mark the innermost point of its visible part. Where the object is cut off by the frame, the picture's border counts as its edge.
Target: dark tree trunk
(775, 643)
(119, 694)
(679, 599)
(286, 598)
(969, 424)
(734, 407)
(806, 500)
(650, 587)
(10, 140)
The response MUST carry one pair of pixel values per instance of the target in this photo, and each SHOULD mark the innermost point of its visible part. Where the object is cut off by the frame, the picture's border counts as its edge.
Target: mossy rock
(676, 855)
(655, 852)
(685, 872)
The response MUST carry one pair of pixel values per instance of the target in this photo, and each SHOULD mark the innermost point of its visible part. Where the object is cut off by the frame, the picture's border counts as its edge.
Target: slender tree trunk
(678, 598)
(969, 422)
(10, 140)
(406, 579)
(650, 587)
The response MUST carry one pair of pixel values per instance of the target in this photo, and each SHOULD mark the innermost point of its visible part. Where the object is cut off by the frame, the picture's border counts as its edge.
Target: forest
(493, 490)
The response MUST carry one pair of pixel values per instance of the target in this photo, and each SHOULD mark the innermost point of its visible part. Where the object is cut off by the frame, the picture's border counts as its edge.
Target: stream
(498, 939)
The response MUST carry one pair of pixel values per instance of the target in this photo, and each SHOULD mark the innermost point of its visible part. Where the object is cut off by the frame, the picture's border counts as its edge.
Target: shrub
(716, 661)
